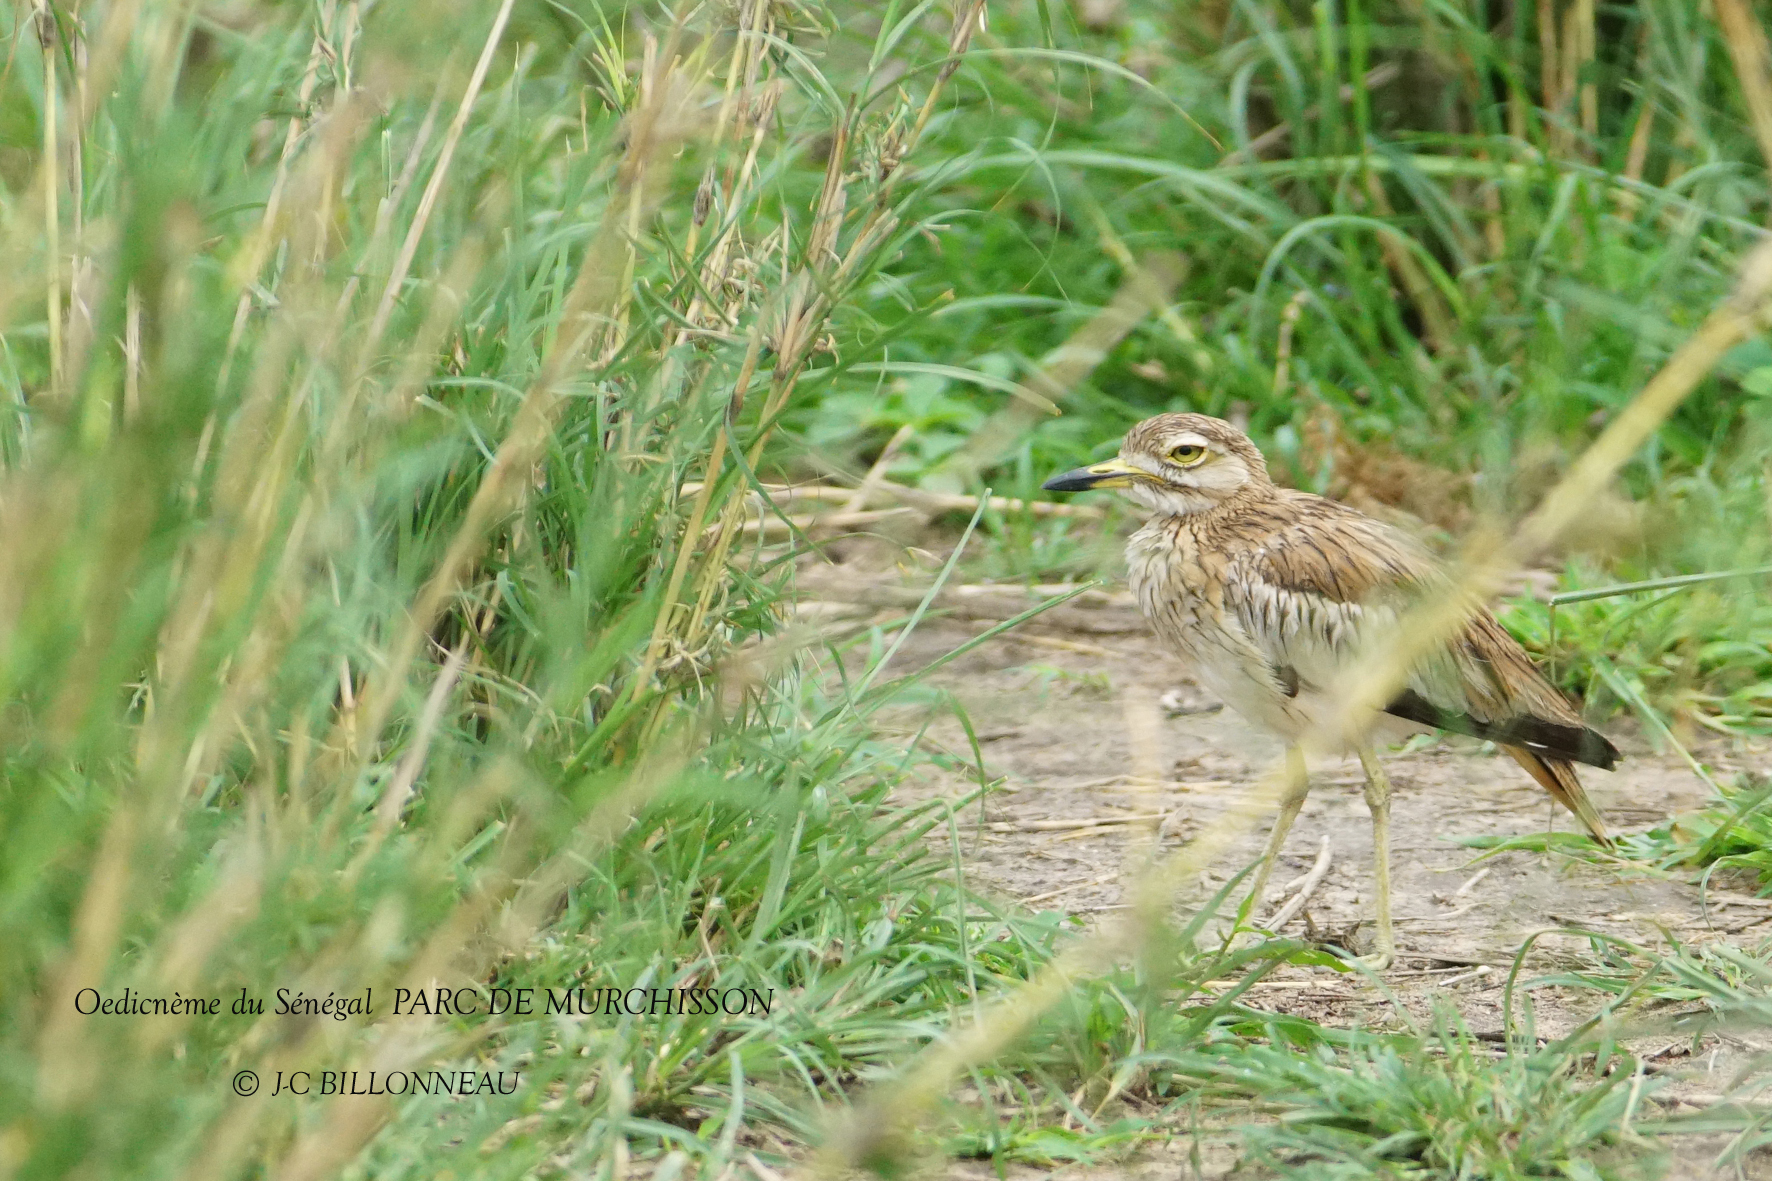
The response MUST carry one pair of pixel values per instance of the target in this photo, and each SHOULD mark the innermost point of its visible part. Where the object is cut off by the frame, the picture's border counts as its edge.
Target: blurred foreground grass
(357, 629)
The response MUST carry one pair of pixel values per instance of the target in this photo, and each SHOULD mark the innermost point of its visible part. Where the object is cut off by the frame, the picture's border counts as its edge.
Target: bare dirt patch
(1086, 762)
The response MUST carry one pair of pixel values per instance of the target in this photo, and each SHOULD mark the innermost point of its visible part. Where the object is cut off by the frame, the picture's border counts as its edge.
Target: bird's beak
(1114, 473)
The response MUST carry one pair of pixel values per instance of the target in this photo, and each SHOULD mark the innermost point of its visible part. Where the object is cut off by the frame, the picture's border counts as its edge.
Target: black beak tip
(1077, 480)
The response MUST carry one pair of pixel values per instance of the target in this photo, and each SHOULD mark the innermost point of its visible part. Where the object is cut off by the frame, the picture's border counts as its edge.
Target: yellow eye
(1187, 454)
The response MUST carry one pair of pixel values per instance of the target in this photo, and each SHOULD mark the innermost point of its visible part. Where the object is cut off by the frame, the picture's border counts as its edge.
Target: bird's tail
(1558, 777)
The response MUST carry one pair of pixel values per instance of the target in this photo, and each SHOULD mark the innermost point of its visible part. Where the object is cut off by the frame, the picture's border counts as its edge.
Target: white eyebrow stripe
(1190, 440)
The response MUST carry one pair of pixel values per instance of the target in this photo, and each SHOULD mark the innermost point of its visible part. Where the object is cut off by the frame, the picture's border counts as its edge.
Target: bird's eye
(1187, 454)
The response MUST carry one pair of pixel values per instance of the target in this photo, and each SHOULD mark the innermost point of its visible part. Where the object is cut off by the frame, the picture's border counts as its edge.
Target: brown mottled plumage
(1271, 592)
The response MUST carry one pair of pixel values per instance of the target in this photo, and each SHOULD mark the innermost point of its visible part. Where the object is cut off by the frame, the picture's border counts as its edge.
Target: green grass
(1438, 1105)
(817, 897)
(355, 630)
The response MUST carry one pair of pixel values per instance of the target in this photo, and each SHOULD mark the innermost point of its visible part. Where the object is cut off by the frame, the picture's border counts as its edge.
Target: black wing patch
(1287, 676)
(1552, 739)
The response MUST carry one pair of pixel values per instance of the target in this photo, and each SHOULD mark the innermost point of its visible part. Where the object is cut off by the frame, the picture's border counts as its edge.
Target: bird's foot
(1376, 962)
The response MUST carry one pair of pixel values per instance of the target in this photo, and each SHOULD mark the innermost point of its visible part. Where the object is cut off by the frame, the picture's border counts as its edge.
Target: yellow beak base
(1114, 473)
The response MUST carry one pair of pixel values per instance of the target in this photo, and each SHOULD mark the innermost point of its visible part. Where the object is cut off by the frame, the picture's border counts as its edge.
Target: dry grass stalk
(250, 262)
(1746, 39)
(1588, 92)
(697, 514)
(959, 502)
(1060, 645)
(255, 466)
(1307, 886)
(1548, 58)
(1086, 614)
(786, 496)
(773, 526)
(20, 245)
(1642, 133)
(1494, 232)
(1577, 46)
(1636, 156)
(1154, 285)
(1068, 825)
(1283, 347)
(439, 172)
(876, 473)
(52, 232)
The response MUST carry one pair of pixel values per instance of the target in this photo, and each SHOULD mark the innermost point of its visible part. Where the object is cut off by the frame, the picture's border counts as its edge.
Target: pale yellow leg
(1298, 785)
(1378, 800)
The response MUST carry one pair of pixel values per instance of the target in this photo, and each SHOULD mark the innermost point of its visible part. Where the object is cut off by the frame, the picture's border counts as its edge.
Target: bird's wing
(1314, 589)
(1313, 593)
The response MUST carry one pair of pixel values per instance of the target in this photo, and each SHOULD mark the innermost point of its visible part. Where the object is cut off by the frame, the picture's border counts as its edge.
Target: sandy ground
(1088, 765)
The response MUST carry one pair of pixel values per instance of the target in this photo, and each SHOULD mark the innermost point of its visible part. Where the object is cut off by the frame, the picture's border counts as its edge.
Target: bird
(1270, 593)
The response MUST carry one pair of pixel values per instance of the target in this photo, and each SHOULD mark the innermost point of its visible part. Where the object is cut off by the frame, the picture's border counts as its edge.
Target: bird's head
(1176, 464)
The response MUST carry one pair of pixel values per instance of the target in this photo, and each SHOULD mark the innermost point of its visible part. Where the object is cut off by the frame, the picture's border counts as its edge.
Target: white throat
(1169, 502)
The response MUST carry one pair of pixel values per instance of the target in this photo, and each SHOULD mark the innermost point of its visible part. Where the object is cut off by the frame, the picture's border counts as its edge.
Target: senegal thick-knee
(1271, 594)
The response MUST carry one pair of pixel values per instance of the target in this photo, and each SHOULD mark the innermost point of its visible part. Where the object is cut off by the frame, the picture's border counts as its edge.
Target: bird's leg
(1298, 785)
(1378, 799)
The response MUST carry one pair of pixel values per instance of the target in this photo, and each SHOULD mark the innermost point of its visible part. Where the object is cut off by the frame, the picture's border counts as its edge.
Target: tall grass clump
(354, 358)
